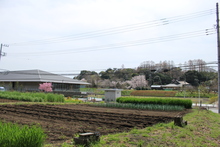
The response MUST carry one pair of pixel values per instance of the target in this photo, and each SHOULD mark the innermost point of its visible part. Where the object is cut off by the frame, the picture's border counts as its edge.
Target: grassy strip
(202, 130)
(156, 93)
(195, 94)
(141, 106)
(32, 96)
(160, 101)
(12, 135)
(102, 91)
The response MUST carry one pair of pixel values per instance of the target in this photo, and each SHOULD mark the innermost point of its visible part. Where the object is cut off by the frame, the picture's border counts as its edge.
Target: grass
(13, 135)
(202, 130)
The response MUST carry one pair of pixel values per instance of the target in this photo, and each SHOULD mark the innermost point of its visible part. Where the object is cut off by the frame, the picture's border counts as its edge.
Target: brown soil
(62, 122)
(8, 100)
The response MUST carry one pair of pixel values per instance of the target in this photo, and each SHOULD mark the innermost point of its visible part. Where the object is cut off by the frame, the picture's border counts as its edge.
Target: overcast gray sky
(67, 36)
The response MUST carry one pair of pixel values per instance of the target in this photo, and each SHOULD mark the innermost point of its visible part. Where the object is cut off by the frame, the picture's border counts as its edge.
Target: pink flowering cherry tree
(46, 87)
(138, 81)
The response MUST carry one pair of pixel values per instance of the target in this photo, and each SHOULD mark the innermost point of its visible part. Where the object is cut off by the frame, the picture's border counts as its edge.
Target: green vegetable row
(13, 135)
(32, 96)
(159, 101)
(142, 106)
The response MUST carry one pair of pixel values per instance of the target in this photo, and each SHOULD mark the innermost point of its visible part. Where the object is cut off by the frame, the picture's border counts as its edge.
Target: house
(176, 85)
(157, 87)
(29, 80)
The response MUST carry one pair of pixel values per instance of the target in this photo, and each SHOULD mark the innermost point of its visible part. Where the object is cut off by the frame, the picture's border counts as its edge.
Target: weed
(146, 135)
(126, 139)
(140, 143)
(132, 142)
(113, 138)
(134, 131)
(62, 137)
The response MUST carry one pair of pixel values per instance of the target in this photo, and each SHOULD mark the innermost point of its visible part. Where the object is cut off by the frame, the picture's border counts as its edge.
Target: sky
(69, 36)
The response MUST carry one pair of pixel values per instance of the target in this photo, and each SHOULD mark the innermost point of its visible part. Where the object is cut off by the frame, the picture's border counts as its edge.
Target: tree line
(149, 73)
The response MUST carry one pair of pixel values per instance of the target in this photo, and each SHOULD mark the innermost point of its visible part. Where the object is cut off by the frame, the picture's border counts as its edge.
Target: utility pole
(2, 53)
(218, 44)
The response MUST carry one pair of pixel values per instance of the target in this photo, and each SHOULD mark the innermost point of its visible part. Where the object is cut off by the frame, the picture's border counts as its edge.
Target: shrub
(213, 99)
(46, 87)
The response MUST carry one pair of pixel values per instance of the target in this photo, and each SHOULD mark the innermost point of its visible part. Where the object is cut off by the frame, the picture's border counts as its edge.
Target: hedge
(159, 101)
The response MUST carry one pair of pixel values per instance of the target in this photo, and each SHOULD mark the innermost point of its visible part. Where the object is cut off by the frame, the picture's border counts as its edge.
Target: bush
(213, 99)
(165, 101)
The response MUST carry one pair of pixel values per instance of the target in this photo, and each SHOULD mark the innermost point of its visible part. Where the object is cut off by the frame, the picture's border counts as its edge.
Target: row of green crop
(13, 135)
(142, 106)
(102, 91)
(160, 101)
(32, 96)
(157, 93)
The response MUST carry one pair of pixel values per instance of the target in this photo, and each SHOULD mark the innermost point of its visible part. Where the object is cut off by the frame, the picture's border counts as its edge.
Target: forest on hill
(195, 72)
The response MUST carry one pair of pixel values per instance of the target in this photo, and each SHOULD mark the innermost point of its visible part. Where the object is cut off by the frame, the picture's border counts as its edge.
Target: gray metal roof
(36, 76)
(172, 85)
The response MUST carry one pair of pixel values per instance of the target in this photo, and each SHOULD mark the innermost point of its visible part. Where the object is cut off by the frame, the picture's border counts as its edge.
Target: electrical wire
(116, 30)
(68, 74)
(204, 32)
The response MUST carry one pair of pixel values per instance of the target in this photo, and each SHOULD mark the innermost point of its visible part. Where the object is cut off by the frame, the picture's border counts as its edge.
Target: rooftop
(36, 76)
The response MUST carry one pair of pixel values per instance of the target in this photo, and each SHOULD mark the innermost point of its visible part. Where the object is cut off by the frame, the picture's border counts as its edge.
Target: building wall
(20, 86)
(34, 86)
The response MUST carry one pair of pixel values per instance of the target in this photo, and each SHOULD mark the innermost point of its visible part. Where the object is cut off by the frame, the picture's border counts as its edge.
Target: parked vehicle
(2, 88)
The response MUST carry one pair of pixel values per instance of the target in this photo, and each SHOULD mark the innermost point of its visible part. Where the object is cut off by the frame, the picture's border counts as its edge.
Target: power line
(68, 74)
(204, 32)
(121, 29)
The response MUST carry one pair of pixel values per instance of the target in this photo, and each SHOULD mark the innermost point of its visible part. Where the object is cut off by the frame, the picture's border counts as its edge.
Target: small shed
(112, 94)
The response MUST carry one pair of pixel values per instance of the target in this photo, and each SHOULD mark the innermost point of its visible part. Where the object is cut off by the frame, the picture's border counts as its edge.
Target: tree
(193, 77)
(46, 87)
(125, 74)
(162, 78)
(138, 82)
(94, 80)
(85, 73)
(108, 74)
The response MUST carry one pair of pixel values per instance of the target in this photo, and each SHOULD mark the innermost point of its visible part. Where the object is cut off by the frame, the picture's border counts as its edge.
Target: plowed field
(61, 122)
